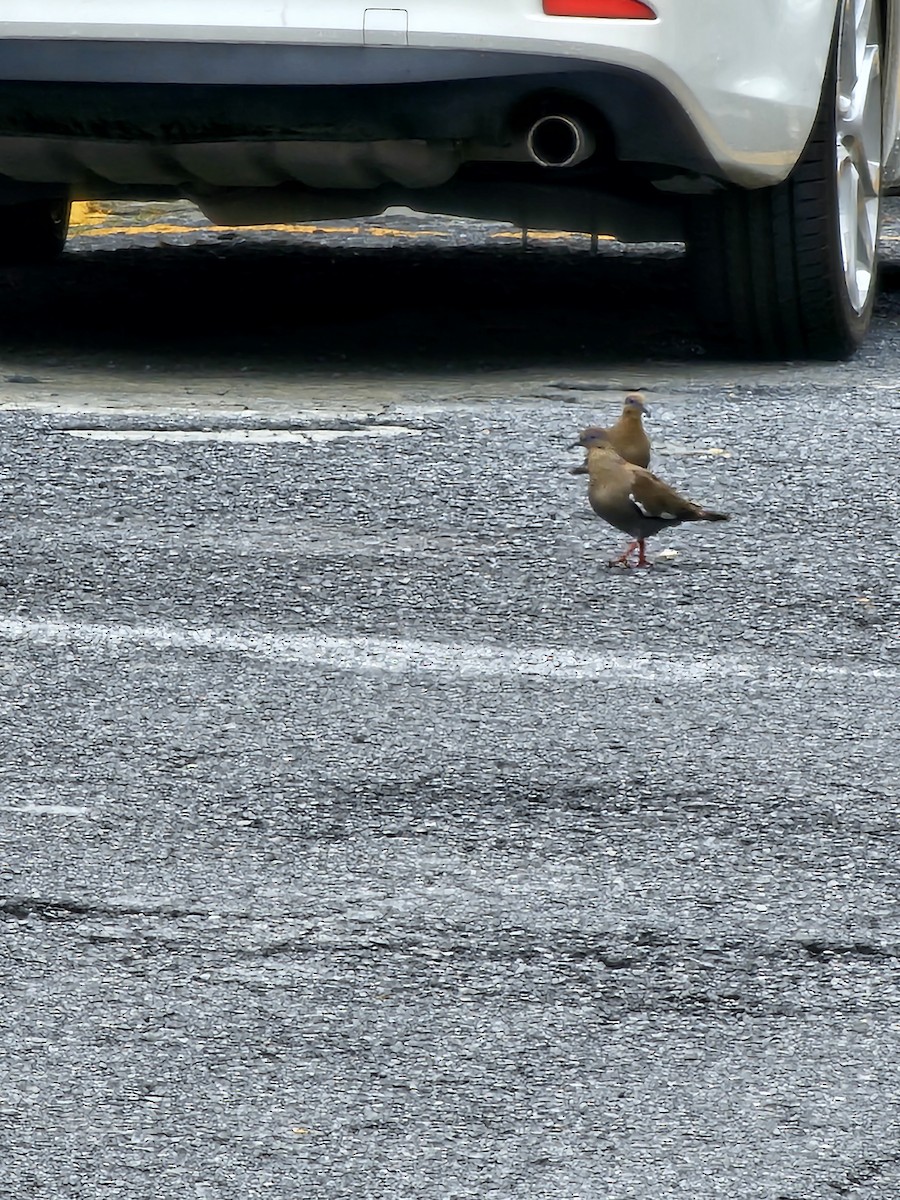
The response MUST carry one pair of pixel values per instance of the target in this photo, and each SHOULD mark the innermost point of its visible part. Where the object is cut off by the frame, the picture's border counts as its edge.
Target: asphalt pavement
(364, 835)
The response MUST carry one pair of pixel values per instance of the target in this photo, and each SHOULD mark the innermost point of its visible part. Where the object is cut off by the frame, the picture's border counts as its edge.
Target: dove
(628, 436)
(633, 499)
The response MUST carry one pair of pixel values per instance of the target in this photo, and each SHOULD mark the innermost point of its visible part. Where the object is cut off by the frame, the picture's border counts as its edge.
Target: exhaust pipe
(559, 141)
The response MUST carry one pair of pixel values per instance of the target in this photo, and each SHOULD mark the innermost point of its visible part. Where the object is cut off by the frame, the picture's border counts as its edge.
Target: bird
(632, 498)
(628, 436)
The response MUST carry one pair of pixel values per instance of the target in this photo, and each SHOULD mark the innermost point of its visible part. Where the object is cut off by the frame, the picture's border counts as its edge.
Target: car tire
(33, 233)
(790, 271)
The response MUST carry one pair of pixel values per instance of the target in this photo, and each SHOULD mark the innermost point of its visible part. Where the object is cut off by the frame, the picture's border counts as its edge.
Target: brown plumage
(633, 499)
(628, 436)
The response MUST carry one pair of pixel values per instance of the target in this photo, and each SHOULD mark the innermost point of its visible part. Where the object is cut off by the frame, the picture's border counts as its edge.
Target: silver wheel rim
(859, 145)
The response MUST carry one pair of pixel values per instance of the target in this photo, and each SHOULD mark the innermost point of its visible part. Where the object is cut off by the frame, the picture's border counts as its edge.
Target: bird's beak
(572, 445)
(648, 412)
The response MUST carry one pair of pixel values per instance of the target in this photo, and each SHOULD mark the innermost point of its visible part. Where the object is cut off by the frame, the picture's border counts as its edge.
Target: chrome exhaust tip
(559, 141)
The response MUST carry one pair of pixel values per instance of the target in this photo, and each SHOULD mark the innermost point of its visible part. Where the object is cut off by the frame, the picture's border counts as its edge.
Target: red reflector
(634, 10)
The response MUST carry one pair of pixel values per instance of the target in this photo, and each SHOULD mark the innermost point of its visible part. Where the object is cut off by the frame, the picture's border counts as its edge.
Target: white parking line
(47, 810)
(414, 656)
(247, 436)
(373, 654)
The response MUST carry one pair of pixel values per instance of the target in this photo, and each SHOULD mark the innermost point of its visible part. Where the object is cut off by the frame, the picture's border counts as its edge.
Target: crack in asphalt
(64, 909)
(868, 1171)
(508, 943)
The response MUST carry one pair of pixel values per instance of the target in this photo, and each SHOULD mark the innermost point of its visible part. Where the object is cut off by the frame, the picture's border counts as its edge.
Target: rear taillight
(634, 10)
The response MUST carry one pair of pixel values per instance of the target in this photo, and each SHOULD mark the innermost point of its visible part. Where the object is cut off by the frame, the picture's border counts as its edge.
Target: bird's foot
(624, 560)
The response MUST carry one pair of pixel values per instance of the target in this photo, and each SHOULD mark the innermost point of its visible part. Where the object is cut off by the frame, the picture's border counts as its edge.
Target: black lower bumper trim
(188, 92)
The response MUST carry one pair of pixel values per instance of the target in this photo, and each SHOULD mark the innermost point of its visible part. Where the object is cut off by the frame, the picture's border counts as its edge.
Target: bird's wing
(656, 500)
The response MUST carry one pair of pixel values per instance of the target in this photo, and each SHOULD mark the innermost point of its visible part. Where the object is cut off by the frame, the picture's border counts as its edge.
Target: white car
(762, 133)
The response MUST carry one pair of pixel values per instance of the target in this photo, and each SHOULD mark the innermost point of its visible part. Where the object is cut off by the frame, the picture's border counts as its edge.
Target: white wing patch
(637, 504)
(650, 516)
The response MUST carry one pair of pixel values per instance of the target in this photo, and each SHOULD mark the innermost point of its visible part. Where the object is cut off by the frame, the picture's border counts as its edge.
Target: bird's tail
(706, 514)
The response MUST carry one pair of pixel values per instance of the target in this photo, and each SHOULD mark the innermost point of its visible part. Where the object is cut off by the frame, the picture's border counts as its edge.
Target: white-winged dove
(628, 436)
(633, 499)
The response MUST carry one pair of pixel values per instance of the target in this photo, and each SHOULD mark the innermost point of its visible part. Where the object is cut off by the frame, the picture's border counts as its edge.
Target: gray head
(634, 402)
(592, 438)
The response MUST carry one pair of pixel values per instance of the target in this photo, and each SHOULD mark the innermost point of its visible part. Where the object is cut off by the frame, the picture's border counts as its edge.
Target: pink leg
(623, 559)
(643, 560)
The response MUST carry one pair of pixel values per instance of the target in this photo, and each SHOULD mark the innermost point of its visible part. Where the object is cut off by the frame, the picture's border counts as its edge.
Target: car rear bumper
(191, 94)
(705, 89)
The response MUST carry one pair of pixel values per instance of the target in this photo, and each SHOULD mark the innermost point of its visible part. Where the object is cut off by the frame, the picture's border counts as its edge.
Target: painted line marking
(378, 231)
(246, 436)
(47, 810)
(374, 654)
(683, 450)
(414, 656)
